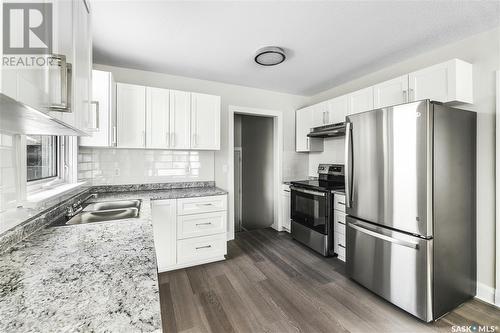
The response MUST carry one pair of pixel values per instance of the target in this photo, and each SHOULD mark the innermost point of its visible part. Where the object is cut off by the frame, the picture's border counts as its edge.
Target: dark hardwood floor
(270, 283)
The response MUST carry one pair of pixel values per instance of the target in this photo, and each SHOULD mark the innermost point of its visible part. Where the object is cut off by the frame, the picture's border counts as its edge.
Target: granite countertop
(89, 277)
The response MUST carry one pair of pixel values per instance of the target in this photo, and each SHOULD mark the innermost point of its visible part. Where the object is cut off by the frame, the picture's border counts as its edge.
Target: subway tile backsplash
(101, 166)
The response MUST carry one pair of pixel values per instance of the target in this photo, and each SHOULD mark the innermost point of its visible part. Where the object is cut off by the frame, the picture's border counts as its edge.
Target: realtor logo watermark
(27, 34)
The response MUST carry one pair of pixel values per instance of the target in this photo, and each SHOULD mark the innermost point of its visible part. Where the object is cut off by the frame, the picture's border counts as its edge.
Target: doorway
(253, 172)
(254, 199)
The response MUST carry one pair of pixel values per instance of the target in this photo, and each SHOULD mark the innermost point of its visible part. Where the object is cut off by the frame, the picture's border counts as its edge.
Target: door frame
(240, 151)
(277, 117)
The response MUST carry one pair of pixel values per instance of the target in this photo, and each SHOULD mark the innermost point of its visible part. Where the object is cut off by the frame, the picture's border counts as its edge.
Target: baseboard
(486, 293)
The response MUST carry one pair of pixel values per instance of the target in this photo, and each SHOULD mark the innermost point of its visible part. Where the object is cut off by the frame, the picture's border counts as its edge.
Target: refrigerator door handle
(348, 166)
(383, 237)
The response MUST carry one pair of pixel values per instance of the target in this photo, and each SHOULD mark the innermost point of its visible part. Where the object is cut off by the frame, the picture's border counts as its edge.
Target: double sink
(106, 211)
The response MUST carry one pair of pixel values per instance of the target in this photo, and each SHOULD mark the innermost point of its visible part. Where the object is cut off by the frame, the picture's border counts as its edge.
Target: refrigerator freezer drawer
(394, 265)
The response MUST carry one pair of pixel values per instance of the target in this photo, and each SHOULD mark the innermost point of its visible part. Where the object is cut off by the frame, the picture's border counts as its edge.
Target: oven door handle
(302, 190)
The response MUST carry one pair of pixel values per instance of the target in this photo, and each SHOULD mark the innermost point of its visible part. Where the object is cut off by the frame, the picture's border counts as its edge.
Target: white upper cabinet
(360, 101)
(205, 121)
(330, 112)
(82, 66)
(157, 118)
(320, 114)
(337, 109)
(180, 119)
(62, 89)
(304, 121)
(450, 81)
(391, 92)
(131, 115)
(103, 112)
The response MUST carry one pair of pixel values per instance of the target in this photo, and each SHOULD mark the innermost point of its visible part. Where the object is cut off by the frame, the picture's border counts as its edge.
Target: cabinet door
(102, 109)
(304, 119)
(205, 121)
(63, 44)
(450, 81)
(391, 92)
(320, 113)
(157, 118)
(361, 100)
(337, 109)
(131, 115)
(164, 220)
(285, 197)
(180, 119)
(82, 66)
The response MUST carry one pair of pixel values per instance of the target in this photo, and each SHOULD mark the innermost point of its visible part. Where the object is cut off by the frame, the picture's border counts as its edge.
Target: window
(41, 153)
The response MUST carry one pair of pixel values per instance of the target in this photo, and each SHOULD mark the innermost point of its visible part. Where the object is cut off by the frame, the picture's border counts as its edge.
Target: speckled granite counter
(89, 277)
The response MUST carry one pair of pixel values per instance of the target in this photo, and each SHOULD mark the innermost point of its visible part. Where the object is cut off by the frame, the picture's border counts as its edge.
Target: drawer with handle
(340, 240)
(339, 219)
(339, 202)
(199, 205)
(341, 252)
(201, 248)
(205, 224)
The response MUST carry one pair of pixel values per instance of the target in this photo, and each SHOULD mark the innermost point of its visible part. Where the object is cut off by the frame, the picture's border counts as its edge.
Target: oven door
(310, 208)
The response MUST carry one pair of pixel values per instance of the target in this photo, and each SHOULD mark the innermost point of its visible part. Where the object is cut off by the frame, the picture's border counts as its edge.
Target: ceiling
(328, 42)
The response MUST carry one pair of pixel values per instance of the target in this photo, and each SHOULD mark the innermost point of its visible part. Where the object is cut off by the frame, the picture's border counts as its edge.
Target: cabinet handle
(173, 140)
(308, 145)
(340, 222)
(204, 204)
(96, 103)
(143, 140)
(207, 223)
(341, 203)
(64, 104)
(327, 117)
(324, 121)
(204, 247)
(167, 139)
(411, 95)
(342, 246)
(114, 135)
(405, 96)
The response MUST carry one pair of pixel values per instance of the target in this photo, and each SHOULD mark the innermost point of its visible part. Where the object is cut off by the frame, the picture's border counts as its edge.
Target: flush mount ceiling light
(270, 56)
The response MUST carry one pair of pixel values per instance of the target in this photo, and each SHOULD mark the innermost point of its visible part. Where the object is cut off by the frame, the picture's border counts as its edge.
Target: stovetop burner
(331, 178)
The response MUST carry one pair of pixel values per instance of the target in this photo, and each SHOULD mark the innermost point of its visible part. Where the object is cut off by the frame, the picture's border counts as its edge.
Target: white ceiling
(328, 42)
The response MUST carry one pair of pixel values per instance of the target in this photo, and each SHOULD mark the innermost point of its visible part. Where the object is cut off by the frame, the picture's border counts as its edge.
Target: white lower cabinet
(339, 225)
(164, 215)
(189, 231)
(285, 207)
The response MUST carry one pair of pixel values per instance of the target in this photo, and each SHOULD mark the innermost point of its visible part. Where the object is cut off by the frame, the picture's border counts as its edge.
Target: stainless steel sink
(103, 211)
(104, 215)
(107, 205)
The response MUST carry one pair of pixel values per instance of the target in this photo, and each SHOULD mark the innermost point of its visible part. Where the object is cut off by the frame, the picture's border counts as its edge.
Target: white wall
(294, 164)
(483, 51)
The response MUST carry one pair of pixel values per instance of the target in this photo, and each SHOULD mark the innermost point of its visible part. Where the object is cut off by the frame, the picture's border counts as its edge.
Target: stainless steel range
(312, 208)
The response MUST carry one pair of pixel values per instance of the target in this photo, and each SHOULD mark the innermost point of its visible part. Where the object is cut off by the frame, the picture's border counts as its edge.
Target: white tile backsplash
(138, 166)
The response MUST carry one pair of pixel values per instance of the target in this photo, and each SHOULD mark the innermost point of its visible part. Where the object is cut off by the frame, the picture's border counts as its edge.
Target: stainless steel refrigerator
(411, 205)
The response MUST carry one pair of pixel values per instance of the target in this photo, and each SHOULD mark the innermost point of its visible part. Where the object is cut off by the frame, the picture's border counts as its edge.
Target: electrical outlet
(117, 171)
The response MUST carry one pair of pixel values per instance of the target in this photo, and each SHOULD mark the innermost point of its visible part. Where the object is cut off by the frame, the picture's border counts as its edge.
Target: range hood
(327, 131)
(18, 118)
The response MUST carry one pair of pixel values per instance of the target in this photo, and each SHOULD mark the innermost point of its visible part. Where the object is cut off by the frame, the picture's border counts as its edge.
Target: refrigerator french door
(410, 201)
